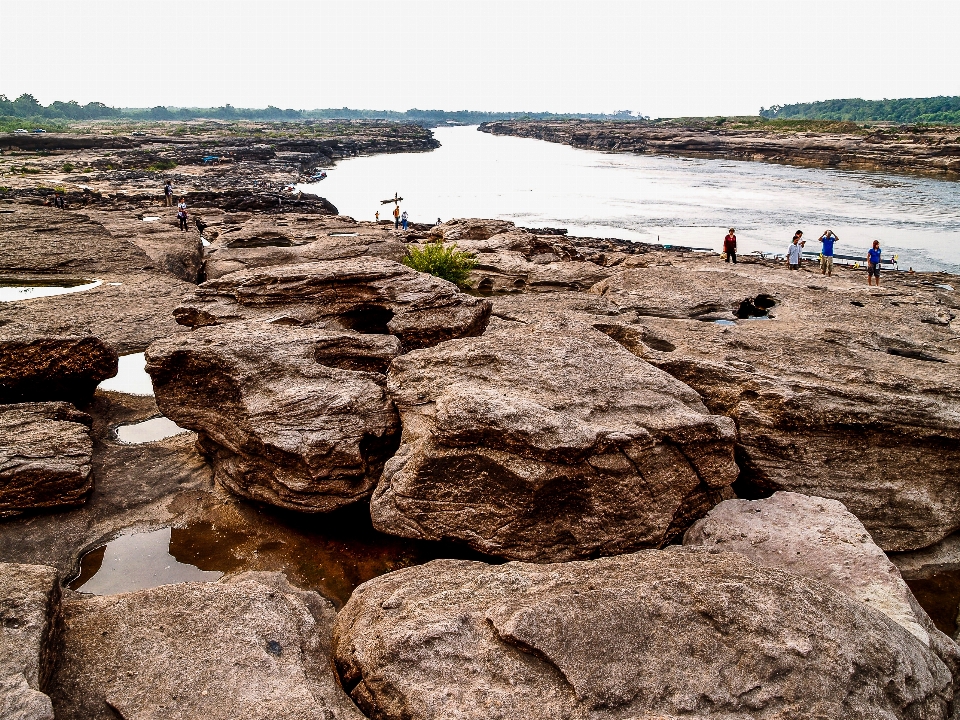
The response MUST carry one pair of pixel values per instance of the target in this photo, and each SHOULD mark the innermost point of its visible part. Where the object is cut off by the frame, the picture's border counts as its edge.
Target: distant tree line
(937, 110)
(28, 107)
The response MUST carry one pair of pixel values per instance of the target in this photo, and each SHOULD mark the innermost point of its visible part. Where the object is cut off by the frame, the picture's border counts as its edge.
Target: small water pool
(152, 430)
(12, 289)
(131, 377)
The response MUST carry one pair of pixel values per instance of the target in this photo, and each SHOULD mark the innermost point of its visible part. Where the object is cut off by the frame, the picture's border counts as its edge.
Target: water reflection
(12, 290)
(131, 377)
(151, 430)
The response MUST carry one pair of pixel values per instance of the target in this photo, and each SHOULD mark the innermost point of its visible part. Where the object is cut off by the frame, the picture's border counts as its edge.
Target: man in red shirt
(730, 247)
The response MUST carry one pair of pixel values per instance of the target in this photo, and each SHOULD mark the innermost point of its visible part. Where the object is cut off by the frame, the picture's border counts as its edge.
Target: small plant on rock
(443, 261)
(67, 167)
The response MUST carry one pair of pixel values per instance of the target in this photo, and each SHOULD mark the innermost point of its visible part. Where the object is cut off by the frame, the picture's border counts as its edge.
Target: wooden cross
(395, 199)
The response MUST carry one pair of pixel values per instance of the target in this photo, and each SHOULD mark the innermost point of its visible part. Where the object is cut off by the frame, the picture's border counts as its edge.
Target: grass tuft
(443, 261)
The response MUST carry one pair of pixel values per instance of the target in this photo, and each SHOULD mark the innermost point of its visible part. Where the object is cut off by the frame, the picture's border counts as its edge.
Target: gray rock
(295, 417)
(251, 647)
(41, 368)
(30, 626)
(547, 443)
(814, 537)
(367, 294)
(655, 634)
(45, 456)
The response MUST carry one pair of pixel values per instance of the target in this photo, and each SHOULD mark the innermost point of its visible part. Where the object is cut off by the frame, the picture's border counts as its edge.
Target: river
(674, 201)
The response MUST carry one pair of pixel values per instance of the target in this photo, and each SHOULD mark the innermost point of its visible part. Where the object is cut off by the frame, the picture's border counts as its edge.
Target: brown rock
(40, 368)
(45, 455)
(249, 647)
(30, 626)
(367, 294)
(295, 417)
(655, 634)
(547, 443)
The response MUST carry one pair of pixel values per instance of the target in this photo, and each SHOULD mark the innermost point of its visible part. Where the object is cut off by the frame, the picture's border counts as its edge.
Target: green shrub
(162, 165)
(67, 167)
(444, 261)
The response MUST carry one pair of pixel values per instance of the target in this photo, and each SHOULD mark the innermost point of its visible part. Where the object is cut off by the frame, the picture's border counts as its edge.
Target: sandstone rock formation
(295, 417)
(547, 443)
(816, 538)
(40, 368)
(915, 149)
(45, 456)
(366, 294)
(837, 390)
(250, 647)
(668, 634)
(30, 626)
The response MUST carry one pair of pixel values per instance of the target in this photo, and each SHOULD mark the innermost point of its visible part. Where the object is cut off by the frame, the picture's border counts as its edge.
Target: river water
(677, 201)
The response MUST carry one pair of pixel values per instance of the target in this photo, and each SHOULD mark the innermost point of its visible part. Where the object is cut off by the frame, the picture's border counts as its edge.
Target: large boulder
(250, 647)
(548, 443)
(30, 626)
(295, 417)
(45, 456)
(366, 294)
(819, 539)
(41, 368)
(655, 634)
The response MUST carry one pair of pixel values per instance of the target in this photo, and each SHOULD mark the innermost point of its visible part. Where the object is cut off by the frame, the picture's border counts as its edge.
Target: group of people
(398, 218)
(795, 251)
(181, 206)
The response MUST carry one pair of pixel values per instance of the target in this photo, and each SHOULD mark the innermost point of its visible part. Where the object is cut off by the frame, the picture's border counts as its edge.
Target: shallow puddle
(131, 377)
(148, 431)
(12, 290)
(939, 595)
(343, 234)
(150, 218)
(135, 561)
(331, 553)
(724, 322)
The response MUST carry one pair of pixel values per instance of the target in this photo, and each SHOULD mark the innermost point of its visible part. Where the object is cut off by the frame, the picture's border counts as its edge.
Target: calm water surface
(678, 200)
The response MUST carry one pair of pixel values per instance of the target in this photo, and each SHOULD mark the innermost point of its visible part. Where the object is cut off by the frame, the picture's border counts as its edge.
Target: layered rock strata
(547, 443)
(249, 647)
(30, 629)
(366, 294)
(42, 368)
(295, 417)
(45, 457)
(673, 633)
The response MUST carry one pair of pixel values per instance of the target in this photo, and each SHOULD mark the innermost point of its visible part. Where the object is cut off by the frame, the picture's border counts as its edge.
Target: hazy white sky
(659, 57)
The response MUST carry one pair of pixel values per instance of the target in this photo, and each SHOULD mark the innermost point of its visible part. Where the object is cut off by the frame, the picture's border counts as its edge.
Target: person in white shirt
(793, 252)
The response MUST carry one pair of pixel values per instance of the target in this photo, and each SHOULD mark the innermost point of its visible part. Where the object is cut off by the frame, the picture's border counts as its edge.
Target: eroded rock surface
(295, 417)
(30, 626)
(813, 537)
(249, 647)
(45, 456)
(366, 294)
(654, 634)
(41, 368)
(547, 443)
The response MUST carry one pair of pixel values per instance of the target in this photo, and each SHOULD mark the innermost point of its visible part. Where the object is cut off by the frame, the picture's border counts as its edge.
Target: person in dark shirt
(730, 247)
(826, 252)
(873, 263)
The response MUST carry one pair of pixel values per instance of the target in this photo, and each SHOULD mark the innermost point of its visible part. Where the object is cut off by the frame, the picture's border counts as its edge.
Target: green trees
(940, 110)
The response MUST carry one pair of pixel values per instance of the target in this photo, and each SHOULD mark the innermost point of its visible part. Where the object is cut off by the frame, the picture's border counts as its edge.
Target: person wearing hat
(730, 247)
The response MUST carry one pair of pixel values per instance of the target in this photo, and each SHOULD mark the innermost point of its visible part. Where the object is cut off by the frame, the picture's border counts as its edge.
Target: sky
(661, 58)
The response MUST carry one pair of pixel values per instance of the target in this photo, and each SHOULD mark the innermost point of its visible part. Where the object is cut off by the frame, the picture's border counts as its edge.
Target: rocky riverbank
(931, 151)
(697, 470)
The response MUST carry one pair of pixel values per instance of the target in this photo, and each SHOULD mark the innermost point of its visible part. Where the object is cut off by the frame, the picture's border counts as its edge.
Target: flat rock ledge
(250, 647)
(45, 456)
(548, 443)
(42, 368)
(366, 294)
(293, 417)
(30, 626)
(655, 634)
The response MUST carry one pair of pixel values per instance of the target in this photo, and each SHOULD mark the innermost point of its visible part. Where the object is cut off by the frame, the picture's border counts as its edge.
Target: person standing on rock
(396, 217)
(182, 214)
(377, 216)
(873, 263)
(168, 194)
(730, 247)
(826, 252)
(793, 252)
(403, 220)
